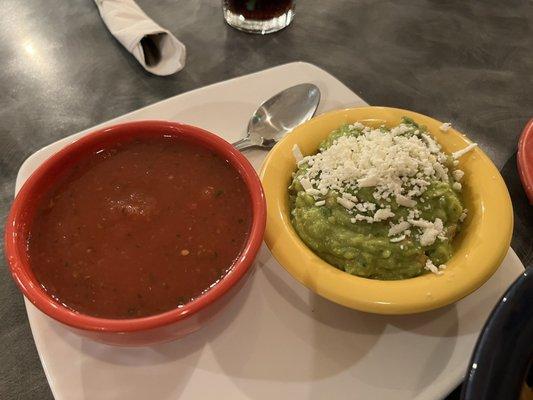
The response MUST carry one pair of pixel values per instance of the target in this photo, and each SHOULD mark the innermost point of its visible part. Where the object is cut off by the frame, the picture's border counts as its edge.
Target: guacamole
(380, 203)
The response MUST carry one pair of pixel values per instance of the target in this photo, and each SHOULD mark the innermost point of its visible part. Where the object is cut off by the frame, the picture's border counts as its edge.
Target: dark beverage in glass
(258, 16)
(259, 9)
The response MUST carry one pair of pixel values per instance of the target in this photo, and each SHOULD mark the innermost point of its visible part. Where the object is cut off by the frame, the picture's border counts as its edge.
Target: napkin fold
(156, 49)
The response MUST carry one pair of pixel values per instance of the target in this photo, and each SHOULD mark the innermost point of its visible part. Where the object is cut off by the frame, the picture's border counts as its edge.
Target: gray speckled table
(471, 64)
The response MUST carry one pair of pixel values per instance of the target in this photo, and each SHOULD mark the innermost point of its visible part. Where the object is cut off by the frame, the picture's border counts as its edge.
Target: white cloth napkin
(158, 50)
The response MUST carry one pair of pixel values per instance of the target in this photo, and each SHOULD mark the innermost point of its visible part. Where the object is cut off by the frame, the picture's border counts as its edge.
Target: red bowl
(139, 331)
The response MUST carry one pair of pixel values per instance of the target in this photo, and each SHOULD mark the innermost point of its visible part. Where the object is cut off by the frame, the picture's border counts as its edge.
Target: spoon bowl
(279, 115)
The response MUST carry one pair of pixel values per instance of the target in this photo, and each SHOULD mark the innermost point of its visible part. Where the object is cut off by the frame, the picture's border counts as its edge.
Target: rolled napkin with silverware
(156, 49)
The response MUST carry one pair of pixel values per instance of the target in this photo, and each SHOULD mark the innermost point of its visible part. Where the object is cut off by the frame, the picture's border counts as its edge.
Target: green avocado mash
(336, 214)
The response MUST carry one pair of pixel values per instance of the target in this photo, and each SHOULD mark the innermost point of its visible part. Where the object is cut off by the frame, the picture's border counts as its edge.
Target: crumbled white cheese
(445, 127)
(433, 146)
(413, 214)
(361, 207)
(357, 125)
(421, 223)
(462, 152)
(383, 214)
(345, 203)
(428, 236)
(457, 186)
(365, 218)
(430, 230)
(297, 153)
(389, 161)
(433, 268)
(405, 201)
(397, 166)
(365, 207)
(464, 214)
(313, 192)
(368, 181)
(442, 172)
(306, 183)
(458, 174)
(398, 228)
(397, 239)
(350, 197)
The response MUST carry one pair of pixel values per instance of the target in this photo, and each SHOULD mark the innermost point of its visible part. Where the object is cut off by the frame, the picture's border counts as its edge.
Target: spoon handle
(243, 144)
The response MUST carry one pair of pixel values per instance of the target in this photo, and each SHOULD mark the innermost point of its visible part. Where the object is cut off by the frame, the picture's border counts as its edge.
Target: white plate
(276, 339)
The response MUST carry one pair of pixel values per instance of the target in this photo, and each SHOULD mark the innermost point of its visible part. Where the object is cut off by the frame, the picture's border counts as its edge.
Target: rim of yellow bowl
(478, 250)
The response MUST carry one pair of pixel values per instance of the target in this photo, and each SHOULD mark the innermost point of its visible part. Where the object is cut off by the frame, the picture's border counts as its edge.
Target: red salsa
(139, 228)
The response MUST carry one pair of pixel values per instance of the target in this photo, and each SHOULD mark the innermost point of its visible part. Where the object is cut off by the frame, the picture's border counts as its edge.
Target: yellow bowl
(479, 249)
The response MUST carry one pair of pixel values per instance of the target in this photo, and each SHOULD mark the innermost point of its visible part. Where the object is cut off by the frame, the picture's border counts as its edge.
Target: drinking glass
(258, 16)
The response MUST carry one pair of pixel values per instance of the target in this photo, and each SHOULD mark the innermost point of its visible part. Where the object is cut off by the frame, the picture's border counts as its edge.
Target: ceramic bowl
(138, 331)
(479, 248)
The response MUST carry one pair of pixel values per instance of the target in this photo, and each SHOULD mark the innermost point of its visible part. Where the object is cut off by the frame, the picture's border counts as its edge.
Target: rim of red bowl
(21, 270)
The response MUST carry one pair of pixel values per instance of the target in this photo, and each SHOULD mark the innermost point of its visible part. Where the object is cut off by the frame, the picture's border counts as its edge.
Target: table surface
(470, 64)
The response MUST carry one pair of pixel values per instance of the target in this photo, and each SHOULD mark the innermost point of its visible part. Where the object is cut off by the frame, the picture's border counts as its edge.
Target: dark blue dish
(504, 350)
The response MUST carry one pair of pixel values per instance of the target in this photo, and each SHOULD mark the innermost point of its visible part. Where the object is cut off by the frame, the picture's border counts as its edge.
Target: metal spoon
(279, 115)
